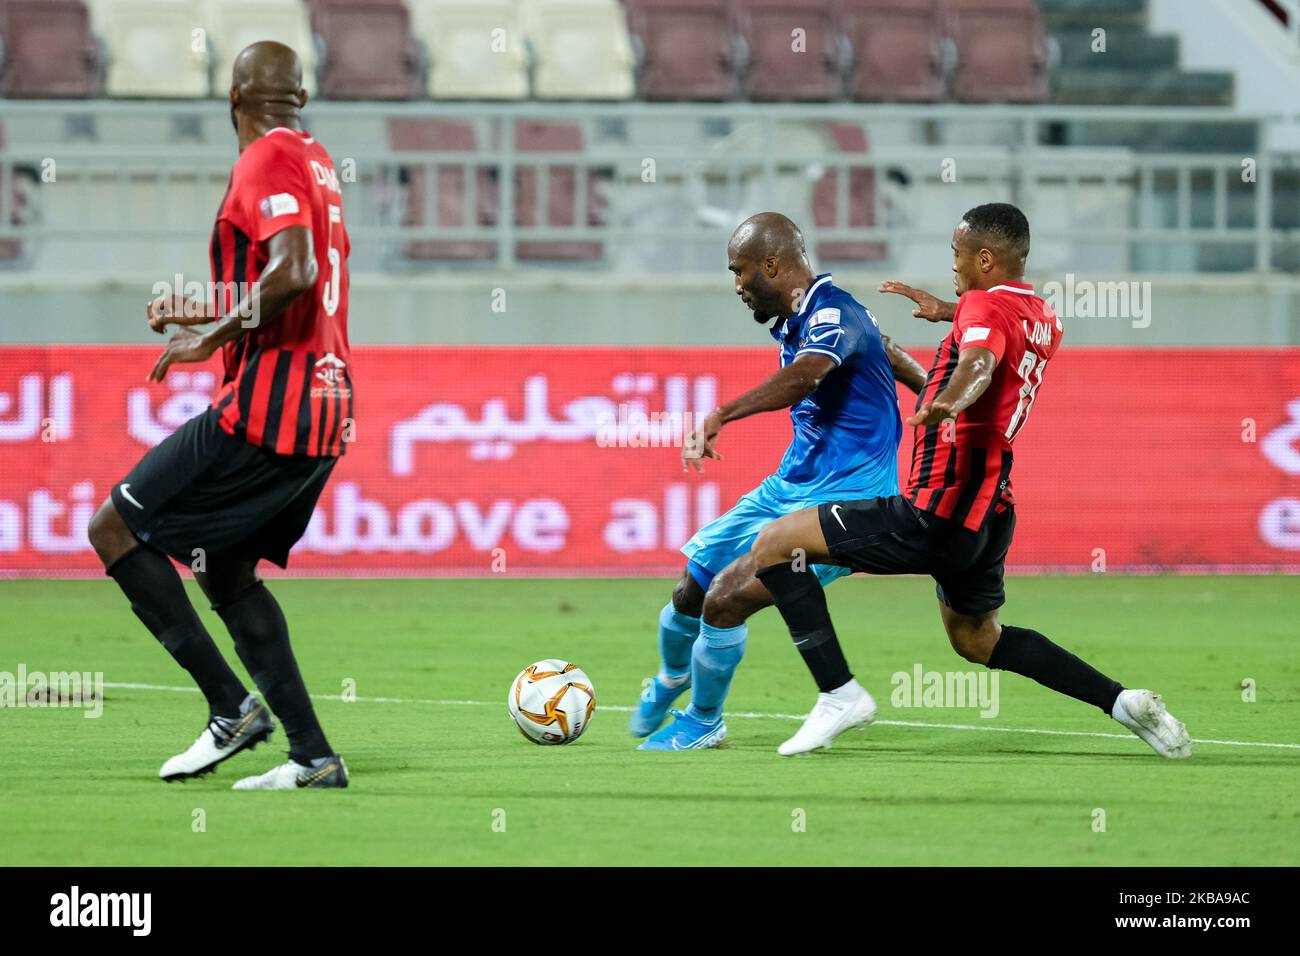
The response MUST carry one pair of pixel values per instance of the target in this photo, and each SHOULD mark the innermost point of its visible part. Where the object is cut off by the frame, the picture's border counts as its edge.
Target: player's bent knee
(108, 534)
(973, 637)
(688, 596)
(773, 544)
(726, 606)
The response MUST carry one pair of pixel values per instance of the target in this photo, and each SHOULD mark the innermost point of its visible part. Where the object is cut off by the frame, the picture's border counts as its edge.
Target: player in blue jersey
(837, 378)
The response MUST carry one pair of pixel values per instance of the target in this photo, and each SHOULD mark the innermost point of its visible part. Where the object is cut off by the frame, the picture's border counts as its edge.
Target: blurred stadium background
(556, 179)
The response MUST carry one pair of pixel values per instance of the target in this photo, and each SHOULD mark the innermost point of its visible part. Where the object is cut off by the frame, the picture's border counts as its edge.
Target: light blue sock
(714, 660)
(677, 633)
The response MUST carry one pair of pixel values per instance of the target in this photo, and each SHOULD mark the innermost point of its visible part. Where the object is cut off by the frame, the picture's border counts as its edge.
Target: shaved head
(770, 262)
(768, 234)
(265, 89)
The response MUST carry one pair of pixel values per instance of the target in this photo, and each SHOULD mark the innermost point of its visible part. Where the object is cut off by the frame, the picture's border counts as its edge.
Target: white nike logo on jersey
(822, 335)
(835, 513)
(127, 495)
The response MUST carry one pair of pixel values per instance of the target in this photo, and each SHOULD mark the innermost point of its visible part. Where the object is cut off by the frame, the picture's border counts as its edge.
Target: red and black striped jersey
(962, 470)
(288, 383)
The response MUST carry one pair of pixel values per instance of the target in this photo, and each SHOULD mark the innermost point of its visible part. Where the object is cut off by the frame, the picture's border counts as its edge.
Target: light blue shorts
(732, 534)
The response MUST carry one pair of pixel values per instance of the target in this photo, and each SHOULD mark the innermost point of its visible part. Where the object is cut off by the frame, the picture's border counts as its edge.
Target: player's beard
(234, 120)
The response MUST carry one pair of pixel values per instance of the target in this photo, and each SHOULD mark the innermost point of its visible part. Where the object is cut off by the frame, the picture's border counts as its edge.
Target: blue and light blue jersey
(846, 433)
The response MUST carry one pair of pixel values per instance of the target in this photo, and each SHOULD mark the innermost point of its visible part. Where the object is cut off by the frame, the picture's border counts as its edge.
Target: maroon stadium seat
(369, 53)
(1001, 51)
(848, 138)
(538, 136)
(686, 48)
(48, 49)
(776, 71)
(897, 54)
(530, 136)
(445, 136)
(12, 208)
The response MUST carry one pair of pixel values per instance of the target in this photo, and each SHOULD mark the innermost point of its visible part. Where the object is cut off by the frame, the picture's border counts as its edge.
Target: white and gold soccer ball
(551, 702)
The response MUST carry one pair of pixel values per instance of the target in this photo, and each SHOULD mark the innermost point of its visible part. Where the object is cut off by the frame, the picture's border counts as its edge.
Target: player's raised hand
(185, 346)
(174, 310)
(932, 413)
(928, 307)
(700, 444)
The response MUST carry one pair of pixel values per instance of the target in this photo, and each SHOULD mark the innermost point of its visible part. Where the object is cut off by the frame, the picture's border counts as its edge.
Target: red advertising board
(565, 460)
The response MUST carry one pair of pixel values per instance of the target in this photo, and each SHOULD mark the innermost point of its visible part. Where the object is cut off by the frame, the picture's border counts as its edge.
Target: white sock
(847, 691)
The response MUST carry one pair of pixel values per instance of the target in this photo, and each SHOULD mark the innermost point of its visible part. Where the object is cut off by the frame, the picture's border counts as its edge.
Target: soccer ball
(551, 702)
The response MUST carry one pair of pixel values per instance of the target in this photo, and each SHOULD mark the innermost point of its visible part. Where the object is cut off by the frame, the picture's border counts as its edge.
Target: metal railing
(658, 187)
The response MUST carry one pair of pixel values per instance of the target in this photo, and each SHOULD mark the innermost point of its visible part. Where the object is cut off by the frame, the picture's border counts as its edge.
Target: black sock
(802, 602)
(1029, 653)
(153, 586)
(261, 635)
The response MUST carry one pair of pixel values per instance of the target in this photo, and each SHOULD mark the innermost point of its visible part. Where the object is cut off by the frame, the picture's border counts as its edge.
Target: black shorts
(892, 536)
(201, 488)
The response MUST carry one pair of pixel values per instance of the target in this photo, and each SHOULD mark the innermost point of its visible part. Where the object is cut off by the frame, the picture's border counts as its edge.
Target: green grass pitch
(437, 772)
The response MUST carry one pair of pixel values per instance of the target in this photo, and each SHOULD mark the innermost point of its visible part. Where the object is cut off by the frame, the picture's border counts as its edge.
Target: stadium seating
(234, 24)
(46, 49)
(861, 209)
(1001, 51)
(153, 47)
(783, 64)
(467, 59)
(441, 135)
(897, 49)
(563, 201)
(686, 48)
(559, 195)
(12, 210)
(581, 49)
(369, 53)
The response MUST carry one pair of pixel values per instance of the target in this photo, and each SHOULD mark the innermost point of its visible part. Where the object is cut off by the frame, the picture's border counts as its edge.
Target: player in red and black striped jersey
(956, 519)
(239, 482)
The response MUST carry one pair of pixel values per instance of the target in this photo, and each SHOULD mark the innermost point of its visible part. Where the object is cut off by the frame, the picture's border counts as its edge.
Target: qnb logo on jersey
(330, 369)
(281, 204)
(1279, 522)
(74, 908)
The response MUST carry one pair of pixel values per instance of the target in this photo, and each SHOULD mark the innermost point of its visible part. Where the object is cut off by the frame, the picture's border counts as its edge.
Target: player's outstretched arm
(906, 369)
(290, 271)
(928, 307)
(787, 387)
(972, 376)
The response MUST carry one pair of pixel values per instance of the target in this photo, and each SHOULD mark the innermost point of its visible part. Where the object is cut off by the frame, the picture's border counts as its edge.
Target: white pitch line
(745, 714)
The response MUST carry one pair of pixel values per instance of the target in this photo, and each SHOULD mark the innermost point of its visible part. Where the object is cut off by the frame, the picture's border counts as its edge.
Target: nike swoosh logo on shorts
(835, 513)
(127, 495)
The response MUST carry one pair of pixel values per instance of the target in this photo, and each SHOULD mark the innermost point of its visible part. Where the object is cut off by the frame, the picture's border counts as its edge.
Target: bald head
(267, 69)
(265, 90)
(768, 235)
(767, 256)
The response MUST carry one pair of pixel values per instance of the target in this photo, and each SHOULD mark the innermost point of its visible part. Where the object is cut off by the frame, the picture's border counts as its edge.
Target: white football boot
(1143, 712)
(221, 739)
(835, 712)
(323, 772)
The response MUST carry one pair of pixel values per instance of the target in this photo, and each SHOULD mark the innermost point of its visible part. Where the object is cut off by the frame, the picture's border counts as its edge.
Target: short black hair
(1001, 227)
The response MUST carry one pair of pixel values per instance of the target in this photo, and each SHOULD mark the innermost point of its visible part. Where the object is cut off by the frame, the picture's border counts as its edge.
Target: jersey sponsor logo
(330, 370)
(281, 204)
(825, 317)
(975, 335)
